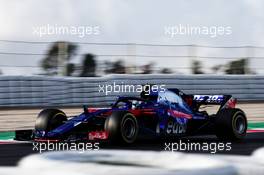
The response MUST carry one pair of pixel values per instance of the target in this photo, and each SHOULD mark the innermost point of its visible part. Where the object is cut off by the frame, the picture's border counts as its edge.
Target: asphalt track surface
(10, 154)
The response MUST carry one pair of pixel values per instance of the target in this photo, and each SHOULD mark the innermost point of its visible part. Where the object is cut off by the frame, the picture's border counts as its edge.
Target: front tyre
(49, 119)
(122, 127)
(231, 124)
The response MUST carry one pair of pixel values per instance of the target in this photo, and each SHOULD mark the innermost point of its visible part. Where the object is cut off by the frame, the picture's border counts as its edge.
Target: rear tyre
(49, 119)
(231, 124)
(122, 127)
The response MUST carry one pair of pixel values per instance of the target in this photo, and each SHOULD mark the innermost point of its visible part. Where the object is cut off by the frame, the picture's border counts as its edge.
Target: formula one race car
(165, 114)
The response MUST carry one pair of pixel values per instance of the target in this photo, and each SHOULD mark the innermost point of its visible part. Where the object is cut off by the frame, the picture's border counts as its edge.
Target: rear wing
(225, 101)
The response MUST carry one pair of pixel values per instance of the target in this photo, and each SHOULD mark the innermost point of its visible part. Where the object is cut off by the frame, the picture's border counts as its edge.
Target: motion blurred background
(130, 37)
(46, 46)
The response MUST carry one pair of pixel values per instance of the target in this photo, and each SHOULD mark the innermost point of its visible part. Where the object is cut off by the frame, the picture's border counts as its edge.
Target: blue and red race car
(165, 114)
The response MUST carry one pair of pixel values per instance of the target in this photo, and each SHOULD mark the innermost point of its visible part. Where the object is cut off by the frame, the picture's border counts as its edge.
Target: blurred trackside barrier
(36, 91)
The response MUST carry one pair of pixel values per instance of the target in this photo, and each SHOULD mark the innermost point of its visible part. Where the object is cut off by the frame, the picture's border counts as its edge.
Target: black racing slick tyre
(231, 124)
(122, 127)
(49, 119)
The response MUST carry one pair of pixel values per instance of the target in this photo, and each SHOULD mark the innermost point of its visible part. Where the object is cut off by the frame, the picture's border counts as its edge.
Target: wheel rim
(128, 128)
(240, 124)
